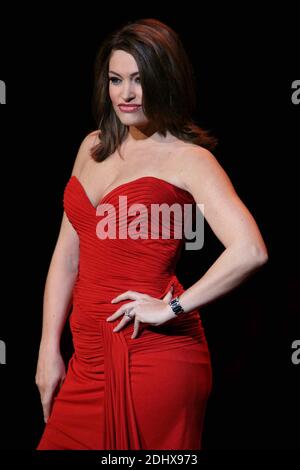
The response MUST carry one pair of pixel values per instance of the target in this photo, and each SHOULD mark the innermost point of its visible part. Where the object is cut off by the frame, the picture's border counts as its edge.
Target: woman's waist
(94, 302)
(104, 290)
(87, 323)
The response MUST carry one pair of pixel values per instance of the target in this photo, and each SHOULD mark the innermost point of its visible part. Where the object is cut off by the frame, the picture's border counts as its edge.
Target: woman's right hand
(50, 374)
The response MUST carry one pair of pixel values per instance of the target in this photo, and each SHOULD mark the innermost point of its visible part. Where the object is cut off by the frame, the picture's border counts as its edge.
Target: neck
(146, 135)
(141, 133)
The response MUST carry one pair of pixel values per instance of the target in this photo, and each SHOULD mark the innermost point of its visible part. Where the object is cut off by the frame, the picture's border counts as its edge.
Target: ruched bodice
(106, 265)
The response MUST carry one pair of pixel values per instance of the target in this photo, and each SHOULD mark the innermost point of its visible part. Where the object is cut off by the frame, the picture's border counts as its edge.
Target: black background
(245, 66)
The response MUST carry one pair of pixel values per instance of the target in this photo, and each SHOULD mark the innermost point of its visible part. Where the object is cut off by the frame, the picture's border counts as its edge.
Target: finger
(169, 294)
(121, 311)
(136, 328)
(46, 403)
(122, 323)
(130, 294)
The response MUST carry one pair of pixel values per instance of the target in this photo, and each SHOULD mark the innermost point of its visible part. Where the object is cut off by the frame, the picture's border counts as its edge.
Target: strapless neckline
(127, 183)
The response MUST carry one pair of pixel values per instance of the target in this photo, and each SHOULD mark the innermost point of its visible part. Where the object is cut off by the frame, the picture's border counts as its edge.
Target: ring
(128, 314)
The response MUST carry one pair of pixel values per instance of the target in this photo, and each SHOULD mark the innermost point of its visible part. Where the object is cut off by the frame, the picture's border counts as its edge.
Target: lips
(129, 108)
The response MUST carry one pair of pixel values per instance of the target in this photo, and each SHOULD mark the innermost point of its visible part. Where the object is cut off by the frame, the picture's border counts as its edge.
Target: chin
(133, 121)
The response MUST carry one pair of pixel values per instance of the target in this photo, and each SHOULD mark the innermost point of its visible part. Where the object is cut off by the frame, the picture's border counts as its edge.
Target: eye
(138, 80)
(114, 80)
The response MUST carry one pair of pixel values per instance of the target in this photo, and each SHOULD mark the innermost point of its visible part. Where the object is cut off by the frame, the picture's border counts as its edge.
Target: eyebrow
(131, 75)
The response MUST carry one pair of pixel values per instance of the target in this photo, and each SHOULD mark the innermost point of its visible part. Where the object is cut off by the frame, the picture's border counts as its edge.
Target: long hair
(167, 80)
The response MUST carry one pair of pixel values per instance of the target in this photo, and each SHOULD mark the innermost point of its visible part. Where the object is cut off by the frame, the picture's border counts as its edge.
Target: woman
(140, 375)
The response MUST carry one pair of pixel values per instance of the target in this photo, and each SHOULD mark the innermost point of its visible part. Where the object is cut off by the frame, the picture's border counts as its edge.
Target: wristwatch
(175, 306)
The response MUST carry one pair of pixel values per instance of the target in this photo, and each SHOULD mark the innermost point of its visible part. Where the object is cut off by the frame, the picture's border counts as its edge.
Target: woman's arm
(59, 284)
(57, 301)
(232, 223)
(63, 267)
(58, 297)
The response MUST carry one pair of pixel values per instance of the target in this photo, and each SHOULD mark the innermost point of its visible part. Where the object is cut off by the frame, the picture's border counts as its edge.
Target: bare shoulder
(225, 212)
(84, 152)
(194, 156)
(200, 168)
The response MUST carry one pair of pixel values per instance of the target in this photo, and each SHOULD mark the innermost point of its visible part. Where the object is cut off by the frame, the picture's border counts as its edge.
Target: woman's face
(125, 89)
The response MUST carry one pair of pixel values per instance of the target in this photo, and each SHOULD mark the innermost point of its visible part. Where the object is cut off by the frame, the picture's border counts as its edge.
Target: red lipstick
(129, 108)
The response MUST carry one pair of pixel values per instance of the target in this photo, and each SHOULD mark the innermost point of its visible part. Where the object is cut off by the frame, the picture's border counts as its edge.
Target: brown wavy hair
(167, 80)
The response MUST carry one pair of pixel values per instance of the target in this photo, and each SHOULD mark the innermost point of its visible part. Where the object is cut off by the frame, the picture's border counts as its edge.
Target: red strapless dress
(121, 393)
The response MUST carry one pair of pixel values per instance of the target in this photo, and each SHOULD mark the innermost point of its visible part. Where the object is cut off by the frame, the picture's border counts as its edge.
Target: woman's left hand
(143, 309)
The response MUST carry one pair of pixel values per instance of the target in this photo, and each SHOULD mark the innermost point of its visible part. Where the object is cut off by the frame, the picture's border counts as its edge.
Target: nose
(128, 90)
